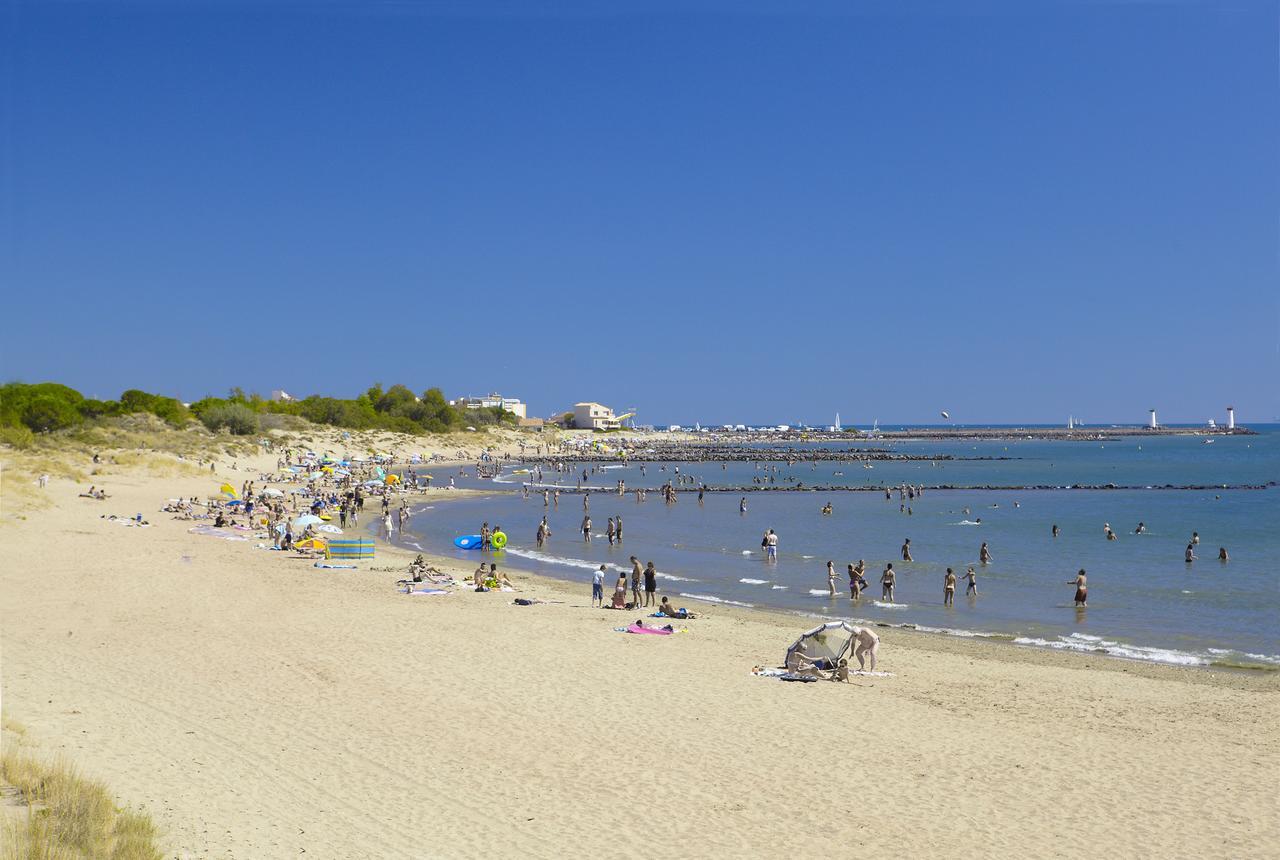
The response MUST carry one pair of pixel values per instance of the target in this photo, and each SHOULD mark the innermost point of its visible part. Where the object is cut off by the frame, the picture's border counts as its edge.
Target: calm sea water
(1145, 602)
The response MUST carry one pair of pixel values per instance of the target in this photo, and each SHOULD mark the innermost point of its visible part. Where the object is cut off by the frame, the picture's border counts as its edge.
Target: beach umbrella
(272, 492)
(233, 502)
(307, 520)
(229, 490)
(330, 529)
(393, 479)
(311, 543)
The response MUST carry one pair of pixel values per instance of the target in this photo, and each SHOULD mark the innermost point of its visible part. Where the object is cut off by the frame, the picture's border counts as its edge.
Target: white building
(492, 401)
(1231, 418)
(594, 416)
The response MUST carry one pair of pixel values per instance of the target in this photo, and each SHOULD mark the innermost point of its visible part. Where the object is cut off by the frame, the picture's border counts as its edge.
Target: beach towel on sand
(656, 631)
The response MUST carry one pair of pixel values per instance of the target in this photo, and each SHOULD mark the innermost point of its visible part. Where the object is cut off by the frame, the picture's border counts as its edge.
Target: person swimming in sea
(1055, 529)
(1141, 529)
(1222, 553)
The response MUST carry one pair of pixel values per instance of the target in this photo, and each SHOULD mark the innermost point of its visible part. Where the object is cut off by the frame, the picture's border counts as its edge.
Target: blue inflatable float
(467, 542)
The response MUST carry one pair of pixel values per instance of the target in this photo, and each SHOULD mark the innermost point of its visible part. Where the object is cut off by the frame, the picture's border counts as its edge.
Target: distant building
(532, 422)
(492, 401)
(279, 395)
(594, 416)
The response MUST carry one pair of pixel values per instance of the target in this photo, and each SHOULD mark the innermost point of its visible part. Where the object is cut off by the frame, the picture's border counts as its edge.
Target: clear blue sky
(715, 211)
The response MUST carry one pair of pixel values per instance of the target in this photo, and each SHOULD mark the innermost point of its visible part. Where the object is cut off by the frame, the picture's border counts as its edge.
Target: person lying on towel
(671, 612)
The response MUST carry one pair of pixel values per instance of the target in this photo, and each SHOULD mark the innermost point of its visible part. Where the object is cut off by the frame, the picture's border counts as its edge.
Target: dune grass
(52, 812)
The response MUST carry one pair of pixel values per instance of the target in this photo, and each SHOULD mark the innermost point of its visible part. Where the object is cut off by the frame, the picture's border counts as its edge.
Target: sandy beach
(258, 707)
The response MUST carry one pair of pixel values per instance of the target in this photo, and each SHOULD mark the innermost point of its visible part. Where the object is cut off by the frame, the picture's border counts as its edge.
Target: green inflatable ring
(499, 540)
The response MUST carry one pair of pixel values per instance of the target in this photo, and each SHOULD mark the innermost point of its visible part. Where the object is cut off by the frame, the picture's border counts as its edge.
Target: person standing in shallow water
(972, 588)
(1055, 529)
(1081, 582)
(586, 529)
(984, 554)
(887, 581)
(831, 578)
(906, 550)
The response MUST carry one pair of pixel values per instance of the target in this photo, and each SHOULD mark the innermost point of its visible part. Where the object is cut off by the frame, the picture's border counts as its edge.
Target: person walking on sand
(972, 587)
(906, 550)
(586, 529)
(831, 578)
(597, 587)
(887, 581)
(949, 588)
(984, 554)
(1081, 582)
(650, 584)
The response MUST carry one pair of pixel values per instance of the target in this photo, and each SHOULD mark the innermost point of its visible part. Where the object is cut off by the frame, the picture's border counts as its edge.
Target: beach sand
(260, 708)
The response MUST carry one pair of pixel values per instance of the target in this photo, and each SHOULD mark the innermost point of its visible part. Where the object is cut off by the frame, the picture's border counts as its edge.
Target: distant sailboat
(839, 426)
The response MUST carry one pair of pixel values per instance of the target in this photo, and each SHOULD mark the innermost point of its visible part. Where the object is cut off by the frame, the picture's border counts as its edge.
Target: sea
(1145, 602)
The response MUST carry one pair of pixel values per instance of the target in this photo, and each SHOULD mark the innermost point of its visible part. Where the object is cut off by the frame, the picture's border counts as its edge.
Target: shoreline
(985, 643)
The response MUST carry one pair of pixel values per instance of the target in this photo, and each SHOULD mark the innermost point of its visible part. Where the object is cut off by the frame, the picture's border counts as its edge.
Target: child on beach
(597, 587)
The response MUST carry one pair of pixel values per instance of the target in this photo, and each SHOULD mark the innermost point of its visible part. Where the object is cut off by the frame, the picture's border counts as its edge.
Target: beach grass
(55, 813)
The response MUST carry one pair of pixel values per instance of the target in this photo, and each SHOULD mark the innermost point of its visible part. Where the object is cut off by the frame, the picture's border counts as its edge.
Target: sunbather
(665, 608)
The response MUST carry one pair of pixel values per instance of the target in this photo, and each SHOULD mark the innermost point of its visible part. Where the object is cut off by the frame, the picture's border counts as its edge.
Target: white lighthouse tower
(1153, 424)
(1231, 418)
